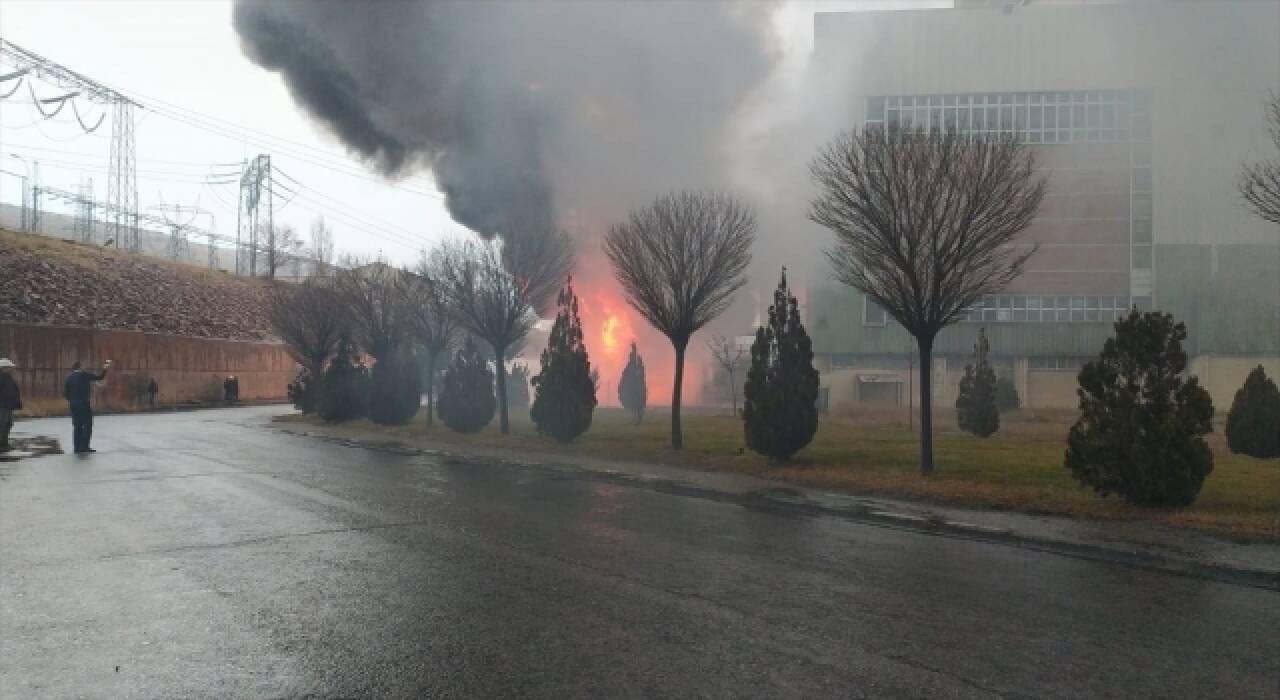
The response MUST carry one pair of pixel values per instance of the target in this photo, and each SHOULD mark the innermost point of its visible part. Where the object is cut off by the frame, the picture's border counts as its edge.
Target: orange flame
(613, 324)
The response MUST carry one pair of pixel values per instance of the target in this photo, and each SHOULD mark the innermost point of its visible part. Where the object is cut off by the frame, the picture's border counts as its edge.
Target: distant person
(152, 390)
(76, 392)
(226, 389)
(235, 388)
(10, 400)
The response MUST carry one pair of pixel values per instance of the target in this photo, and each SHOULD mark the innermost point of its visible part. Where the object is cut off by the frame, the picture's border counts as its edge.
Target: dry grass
(93, 256)
(1020, 469)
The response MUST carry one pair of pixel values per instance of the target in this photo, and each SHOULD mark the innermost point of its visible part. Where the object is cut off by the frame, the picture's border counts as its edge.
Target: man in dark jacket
(76, 392)
(10, 400)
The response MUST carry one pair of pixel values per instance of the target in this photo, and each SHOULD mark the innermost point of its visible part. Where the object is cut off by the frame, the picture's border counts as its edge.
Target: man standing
(152, 390)
(10, 400)
(76, 392)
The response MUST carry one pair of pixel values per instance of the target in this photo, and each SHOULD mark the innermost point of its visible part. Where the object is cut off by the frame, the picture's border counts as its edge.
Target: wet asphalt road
(203, 555)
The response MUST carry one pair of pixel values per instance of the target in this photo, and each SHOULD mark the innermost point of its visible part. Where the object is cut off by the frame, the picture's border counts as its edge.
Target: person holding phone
(76, 392)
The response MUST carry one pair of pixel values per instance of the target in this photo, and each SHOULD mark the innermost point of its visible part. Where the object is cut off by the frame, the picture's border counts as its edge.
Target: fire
(609, 334)
(610, 325)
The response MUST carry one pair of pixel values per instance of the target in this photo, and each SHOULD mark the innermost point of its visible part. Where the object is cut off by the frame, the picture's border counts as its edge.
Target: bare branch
(681, 259)
(924, 222)
(374, 300)
(308, 319)
(1260, 182)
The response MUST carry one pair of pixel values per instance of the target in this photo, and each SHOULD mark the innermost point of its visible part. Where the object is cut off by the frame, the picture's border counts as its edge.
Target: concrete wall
(186, 369)
(1221, 375)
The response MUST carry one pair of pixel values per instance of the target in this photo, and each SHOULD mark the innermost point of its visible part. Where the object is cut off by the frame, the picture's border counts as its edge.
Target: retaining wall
(185, 369)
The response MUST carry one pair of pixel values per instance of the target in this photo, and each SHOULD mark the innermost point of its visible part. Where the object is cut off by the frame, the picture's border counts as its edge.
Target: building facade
(1140, 114)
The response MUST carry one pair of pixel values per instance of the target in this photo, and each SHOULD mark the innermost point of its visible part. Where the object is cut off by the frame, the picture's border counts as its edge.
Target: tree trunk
(431, 389)
(500, 373)
(677, 436)
(733, 394)
(926, 405)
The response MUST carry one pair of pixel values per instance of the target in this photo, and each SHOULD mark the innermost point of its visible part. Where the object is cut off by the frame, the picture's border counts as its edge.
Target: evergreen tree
(1253, 425)
(1142, 420)
(564, 393)
(466, 400)
(344, 389)
(1007, 398)
(780, 411)
(395, 389)
(518, 386)
(632, 392)
(976, 403)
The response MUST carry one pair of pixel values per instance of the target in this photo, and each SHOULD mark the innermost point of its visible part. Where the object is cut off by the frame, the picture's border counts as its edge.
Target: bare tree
(680, 260)
(321, 246)
(308, 319)
(729, 355)
(1260, 182)
(497, 292)
(280, 244)
(373, 301)
(431, 319)
(924, 226)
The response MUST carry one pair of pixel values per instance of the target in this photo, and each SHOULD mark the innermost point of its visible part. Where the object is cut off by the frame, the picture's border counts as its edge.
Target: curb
(794, 502)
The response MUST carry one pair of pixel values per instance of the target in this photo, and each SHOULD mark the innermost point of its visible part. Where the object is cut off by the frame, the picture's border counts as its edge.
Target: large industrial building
(1140, 113)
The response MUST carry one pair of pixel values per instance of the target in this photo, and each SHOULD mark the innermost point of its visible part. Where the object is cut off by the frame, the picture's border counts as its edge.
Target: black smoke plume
(529, 114)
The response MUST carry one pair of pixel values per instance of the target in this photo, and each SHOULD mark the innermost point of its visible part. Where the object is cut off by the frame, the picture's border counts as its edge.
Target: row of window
(1002, 365)
(1036, 117)
(1031, 309)
(1064, 362)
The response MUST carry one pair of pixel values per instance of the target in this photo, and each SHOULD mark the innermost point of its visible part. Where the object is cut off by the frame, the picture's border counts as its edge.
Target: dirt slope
(51, 281)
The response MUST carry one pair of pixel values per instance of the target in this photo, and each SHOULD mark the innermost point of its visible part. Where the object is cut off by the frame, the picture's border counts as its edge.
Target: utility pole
(122, 180)
(255, 181)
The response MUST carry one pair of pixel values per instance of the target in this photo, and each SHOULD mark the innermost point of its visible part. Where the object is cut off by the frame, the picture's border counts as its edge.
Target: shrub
(780, 399)
(344, 391)
(466, 400)
(395, 390)
(518, 386)
(1142, 421)
(304, 392)
(632, 392)
(976, 410)
(1253, 425)
(1007, 398)
(564, 392)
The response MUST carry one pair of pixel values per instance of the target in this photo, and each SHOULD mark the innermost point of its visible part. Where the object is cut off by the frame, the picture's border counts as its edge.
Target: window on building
(1142, 257)
(1059, 362)
(873, 314)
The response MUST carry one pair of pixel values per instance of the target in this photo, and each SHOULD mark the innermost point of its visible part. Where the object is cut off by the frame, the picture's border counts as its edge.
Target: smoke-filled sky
(617, 98)
(525, 112)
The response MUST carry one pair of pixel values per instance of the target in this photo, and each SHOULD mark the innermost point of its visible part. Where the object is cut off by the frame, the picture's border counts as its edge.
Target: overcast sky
(213, 108)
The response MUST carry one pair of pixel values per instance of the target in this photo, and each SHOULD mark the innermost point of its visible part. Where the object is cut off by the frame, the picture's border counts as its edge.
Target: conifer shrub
(304, 392)
(344, 389)
(633, 394)
(1253, 425)
(518, 386)
(976, 410)
(780, 409)
(1007, 398)
(395, 389)
(1142, 420)
(467, 403)
(564, 393)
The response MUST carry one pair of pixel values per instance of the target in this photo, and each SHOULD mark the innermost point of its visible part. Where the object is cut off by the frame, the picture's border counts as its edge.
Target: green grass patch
(1018, 469)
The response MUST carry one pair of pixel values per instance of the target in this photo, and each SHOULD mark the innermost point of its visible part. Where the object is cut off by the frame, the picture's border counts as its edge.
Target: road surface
(205, 555)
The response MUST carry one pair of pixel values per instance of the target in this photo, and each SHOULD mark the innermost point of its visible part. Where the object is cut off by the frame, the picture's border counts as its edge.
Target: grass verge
(1019, 469)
